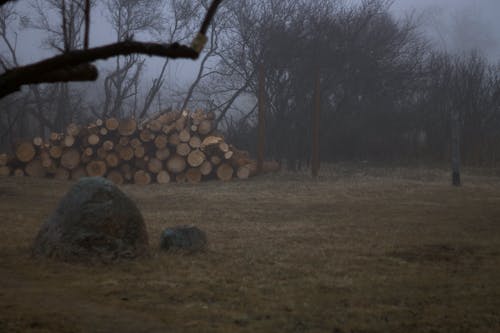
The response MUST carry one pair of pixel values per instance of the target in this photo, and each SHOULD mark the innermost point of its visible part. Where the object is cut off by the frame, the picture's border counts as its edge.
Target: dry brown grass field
(359, 250)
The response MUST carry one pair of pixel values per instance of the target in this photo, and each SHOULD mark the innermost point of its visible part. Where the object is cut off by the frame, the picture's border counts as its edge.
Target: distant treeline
(386, 94)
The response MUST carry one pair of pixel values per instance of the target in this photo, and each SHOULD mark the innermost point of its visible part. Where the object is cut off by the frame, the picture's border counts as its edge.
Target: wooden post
(262, 120)
(455, 149)
(315, 162)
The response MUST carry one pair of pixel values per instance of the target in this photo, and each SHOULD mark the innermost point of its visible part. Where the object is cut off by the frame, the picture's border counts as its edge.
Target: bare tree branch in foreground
(51, 70)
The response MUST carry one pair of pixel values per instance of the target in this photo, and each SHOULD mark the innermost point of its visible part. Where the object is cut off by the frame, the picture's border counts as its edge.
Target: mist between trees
(386, 93)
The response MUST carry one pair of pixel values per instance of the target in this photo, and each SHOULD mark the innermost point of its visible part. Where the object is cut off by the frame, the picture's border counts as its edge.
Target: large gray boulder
(94, 220)
(187, 238)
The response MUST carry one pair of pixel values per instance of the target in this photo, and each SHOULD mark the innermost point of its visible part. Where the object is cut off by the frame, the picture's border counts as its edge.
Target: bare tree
(57, 68)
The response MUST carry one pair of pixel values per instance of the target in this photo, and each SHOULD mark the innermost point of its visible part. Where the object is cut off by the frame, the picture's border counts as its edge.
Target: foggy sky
(452, 25)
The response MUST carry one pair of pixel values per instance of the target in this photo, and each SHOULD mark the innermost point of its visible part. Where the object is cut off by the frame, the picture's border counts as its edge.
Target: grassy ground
(370, 250)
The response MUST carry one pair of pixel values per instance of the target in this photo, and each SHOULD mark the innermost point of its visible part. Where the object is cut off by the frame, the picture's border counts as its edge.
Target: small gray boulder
(94, 220)
(187, 238)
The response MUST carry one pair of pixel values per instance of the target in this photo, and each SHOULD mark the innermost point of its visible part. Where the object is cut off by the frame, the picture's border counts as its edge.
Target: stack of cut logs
(172, 146)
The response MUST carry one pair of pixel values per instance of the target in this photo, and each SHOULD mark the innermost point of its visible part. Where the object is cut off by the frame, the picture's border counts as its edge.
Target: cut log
(25, 152)
(146, 135)
(139, 152)
(68, 141)
(108, 145)
(161, 141)
(173, 139)
(19, 172)
(127, 127)
(205, 127)
(196, 158)
(4, 171)
(155, 125)
(56, 152)
(193, 175)
(54, 137)
(142, 178)
(93, 139)
(167, 129)
(228, 155)
(162, 154)
(125, 153)
(206, 168)
(89, 151)
(35, 169)
(211, 140)
(124, 141)
(180, 123)
(73, 130)
(116, 177)
(101, 153)
(62, 174)
(112, 160)
(223, 147)
(243, 172)
(184, 135)
(99, 122)
(135, 142)
(78, 173)
(112, 124)
(216, 160)
(96, 169)
(176, 164)
(225, 172)
(52, 168)
(37, 141)
(70, 159)
(155, 165)
(195, 142)
(163, 177)
(183, 149)
(103, 131)
(181, 178)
